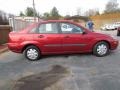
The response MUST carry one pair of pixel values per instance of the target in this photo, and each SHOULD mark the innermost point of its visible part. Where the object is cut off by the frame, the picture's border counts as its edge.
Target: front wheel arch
(96, 53)
(102, 41)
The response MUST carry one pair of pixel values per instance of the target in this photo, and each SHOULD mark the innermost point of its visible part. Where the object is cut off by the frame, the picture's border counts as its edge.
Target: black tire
(96, 47)
(37, 52)
(106, 29)
(118, 33)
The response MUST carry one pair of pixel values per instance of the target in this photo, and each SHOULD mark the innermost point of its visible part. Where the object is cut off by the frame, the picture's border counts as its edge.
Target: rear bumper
(15, 47)
(114, 44)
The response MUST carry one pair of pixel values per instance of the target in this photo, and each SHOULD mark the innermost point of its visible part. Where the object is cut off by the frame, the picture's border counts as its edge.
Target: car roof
(56, 21)
(59, 21)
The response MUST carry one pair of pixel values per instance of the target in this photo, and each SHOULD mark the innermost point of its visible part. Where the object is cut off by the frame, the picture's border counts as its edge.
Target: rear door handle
(67, 37)
(40, 36)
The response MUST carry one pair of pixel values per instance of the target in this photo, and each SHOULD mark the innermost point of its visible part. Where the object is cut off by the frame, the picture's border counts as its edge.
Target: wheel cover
(32, 54)
(102, 49)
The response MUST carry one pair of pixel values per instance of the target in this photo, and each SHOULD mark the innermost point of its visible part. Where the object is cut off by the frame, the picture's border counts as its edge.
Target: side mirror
(84, 32)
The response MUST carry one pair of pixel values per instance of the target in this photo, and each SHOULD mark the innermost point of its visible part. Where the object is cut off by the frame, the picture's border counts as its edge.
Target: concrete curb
(4, 50)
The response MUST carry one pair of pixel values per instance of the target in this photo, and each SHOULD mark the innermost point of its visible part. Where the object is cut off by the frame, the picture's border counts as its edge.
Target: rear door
(49, 38)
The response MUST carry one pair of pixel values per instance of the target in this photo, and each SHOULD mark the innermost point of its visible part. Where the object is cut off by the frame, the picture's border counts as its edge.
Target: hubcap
(102, 49)
(32, 54)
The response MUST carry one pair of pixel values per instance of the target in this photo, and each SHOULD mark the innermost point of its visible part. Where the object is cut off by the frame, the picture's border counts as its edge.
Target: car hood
(101, 35)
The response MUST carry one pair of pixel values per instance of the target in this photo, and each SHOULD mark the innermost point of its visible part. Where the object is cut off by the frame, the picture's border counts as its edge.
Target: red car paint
(58, 43)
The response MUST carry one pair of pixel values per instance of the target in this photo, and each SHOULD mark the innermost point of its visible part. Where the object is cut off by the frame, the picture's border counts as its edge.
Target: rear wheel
(32, 53)
(101, 49)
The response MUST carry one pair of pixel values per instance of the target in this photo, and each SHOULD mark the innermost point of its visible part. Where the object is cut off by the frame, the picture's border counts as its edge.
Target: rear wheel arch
(32, 52)
(27, 45)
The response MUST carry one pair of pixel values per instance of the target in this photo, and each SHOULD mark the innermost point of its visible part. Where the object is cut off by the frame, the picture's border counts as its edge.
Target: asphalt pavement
(61, 72)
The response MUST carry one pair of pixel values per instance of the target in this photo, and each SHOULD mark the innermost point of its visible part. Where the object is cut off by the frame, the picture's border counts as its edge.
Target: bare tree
(92, 12)
(3, 18)
(78, 11)
(111, 6)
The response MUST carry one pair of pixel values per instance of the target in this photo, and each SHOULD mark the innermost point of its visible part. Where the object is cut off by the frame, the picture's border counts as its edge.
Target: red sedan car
(59, 37)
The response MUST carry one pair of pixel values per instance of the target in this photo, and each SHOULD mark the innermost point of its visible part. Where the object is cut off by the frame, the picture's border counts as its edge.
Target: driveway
(61, 72)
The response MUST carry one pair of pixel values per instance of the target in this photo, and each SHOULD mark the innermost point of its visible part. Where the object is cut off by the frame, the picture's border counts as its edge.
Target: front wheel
(32, 53)
(118, 32)
(101, 49)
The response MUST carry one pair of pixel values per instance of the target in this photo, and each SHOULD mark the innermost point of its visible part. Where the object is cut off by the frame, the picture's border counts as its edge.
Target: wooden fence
(100, 20)
(4, 31)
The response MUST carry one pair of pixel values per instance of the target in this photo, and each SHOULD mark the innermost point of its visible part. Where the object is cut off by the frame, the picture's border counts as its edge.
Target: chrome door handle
(40, 36)
(67, 37)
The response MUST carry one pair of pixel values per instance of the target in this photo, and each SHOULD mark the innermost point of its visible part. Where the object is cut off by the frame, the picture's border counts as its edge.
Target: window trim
(58, 26)
(71, 24)
(37, 29)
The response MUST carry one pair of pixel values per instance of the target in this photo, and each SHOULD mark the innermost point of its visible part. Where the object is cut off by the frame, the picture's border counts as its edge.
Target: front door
(73, 39)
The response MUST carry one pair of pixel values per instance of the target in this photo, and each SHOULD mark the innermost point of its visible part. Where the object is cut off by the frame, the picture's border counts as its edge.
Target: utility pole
(34, 11)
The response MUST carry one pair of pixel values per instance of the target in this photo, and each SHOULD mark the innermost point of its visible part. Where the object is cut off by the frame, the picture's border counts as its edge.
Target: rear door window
(48, 28)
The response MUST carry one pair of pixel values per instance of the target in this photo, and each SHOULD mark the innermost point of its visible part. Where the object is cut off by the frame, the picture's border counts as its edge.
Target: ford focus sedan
(59, 37)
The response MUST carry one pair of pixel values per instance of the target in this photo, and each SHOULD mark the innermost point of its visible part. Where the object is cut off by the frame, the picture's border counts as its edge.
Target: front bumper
(114, 44)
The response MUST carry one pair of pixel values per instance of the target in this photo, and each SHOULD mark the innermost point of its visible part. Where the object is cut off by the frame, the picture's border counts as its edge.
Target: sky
(64, 6)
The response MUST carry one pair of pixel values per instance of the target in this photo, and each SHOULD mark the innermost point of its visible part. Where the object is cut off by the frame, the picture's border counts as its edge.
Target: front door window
(70, 28)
